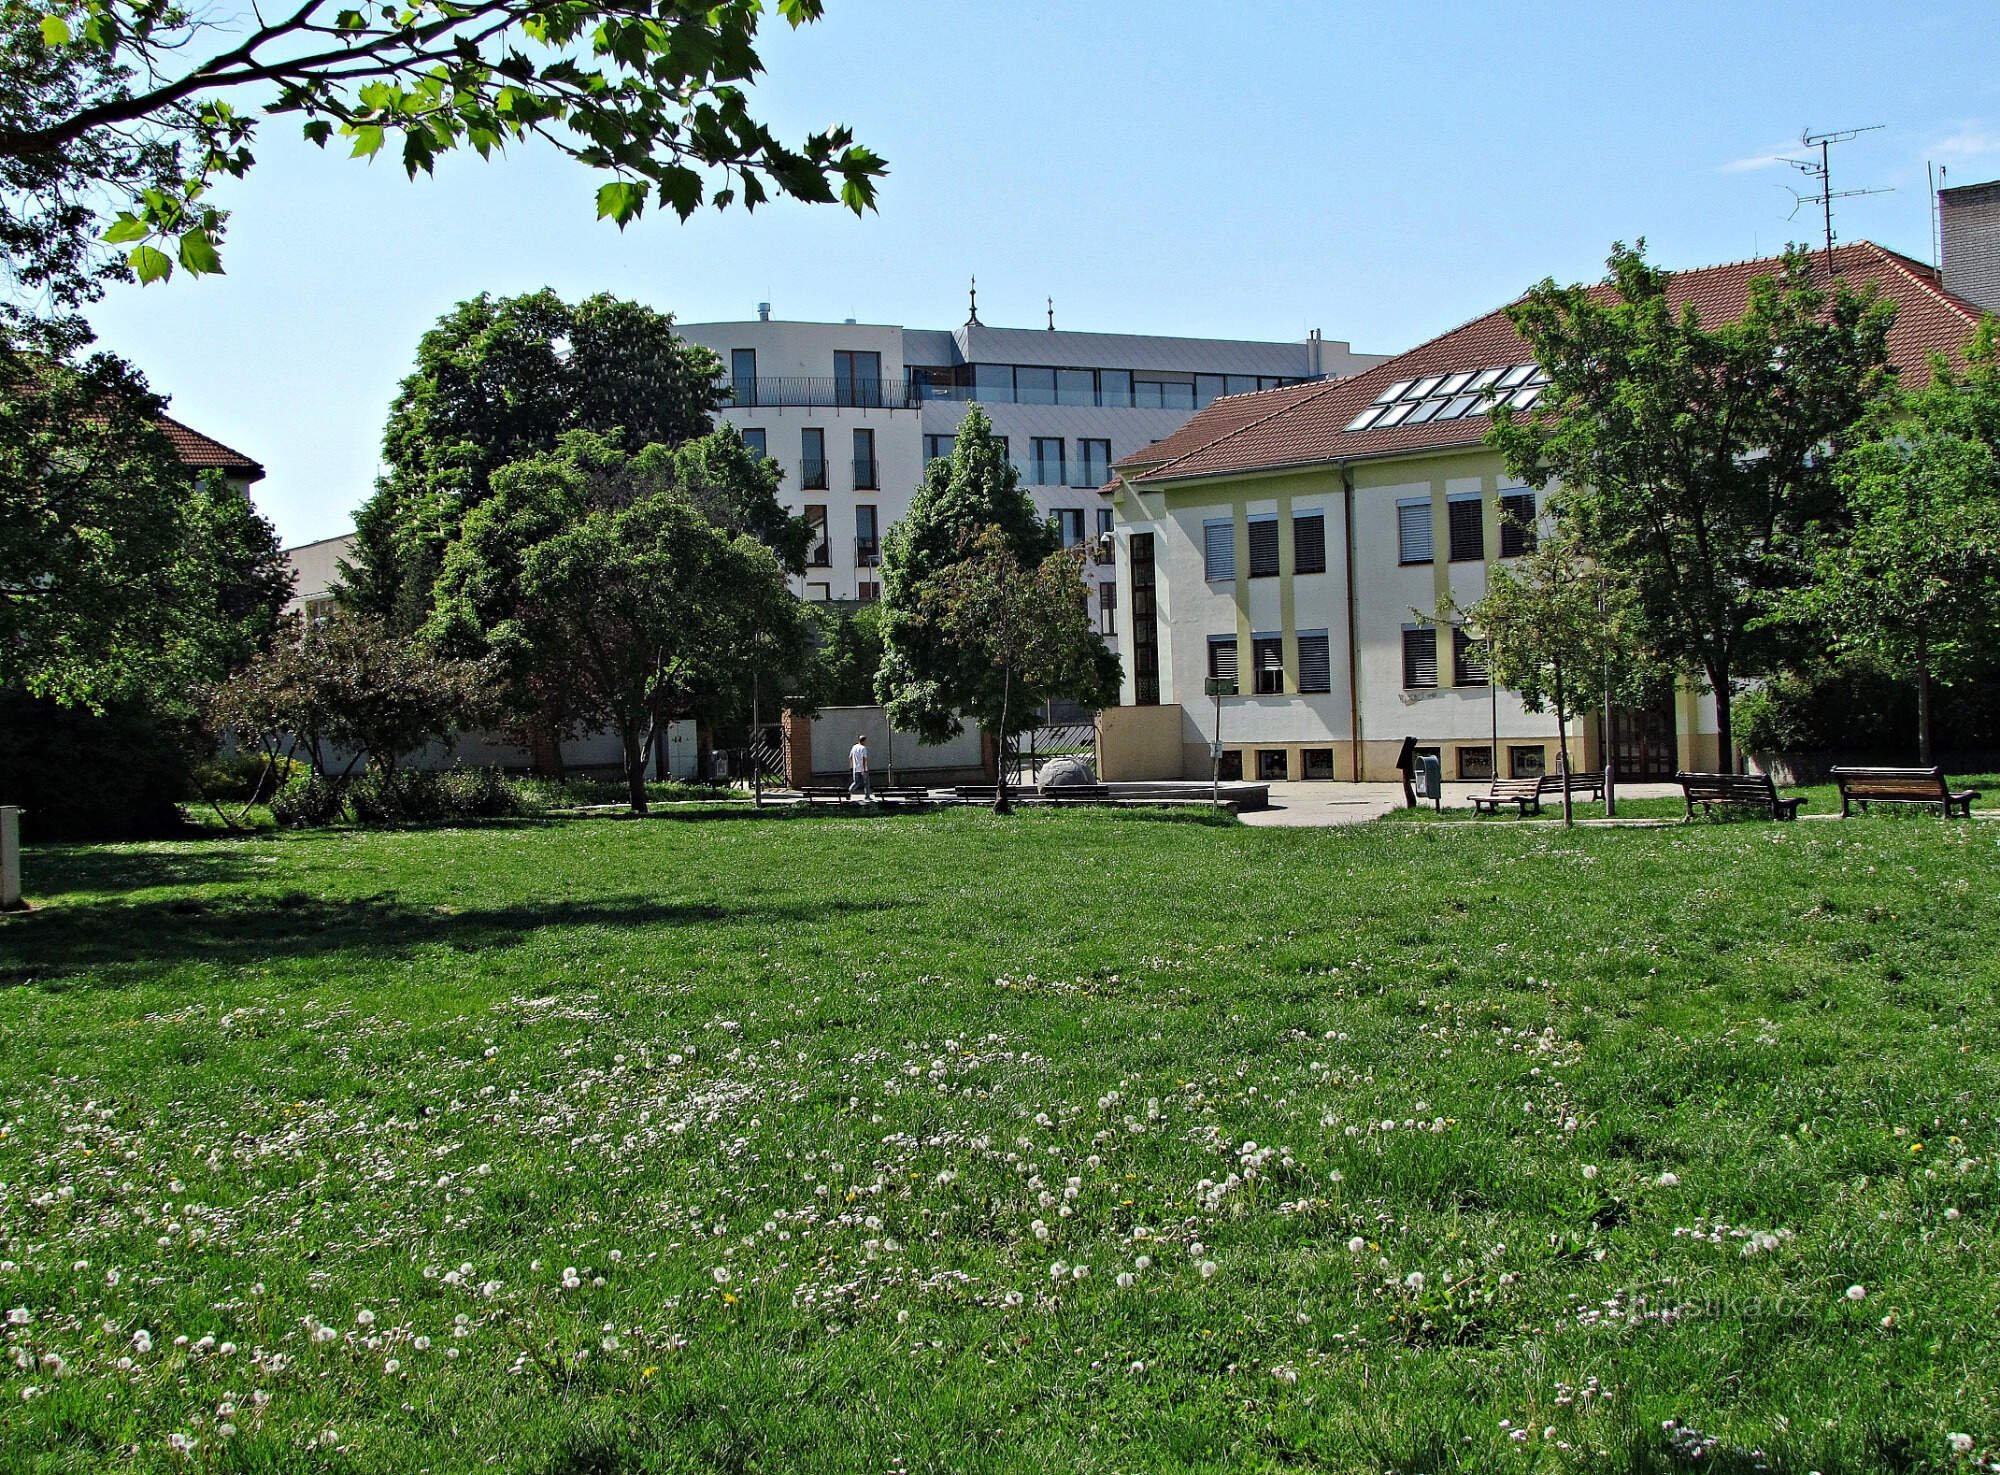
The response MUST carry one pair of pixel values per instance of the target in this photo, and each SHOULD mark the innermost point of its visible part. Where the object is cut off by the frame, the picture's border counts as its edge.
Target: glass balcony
(789, 392)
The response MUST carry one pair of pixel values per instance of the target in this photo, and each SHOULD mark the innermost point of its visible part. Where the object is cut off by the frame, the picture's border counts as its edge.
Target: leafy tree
(499, 380)
(121, 573)
(849, 656)
(608, 597)
(928, 678)
(144, 105)
(1029, 624)
(1913, 575)
(1694, 458)
(345, 691)
(1562, 631)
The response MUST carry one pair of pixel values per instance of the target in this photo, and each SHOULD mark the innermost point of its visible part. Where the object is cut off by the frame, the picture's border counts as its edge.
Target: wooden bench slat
(1750, 790)
(1863, 786)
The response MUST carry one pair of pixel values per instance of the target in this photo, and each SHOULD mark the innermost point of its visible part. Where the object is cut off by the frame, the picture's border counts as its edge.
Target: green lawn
(1077, 1140)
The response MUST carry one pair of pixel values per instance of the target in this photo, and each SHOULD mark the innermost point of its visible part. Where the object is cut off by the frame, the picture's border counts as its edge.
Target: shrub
(80, 776)
(308, 799)
(244, 778)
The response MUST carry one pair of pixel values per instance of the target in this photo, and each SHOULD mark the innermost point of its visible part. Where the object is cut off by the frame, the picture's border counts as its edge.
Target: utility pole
(1820, 172)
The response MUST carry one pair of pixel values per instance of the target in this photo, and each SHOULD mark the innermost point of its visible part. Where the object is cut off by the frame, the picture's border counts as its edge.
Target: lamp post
(1217, 687)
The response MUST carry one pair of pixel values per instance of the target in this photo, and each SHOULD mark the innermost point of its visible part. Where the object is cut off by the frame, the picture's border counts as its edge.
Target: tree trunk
(1001, 804)
(545, 748)
(635, 766)
(1923, 698)
(1562, 745)
(1725, 731)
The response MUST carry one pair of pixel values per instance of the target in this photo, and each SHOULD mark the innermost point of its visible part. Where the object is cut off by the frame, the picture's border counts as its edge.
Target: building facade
(1302, 540)
(853, 412)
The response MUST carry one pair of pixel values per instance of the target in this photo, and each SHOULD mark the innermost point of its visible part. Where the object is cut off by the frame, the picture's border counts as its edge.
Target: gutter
(1353, 637)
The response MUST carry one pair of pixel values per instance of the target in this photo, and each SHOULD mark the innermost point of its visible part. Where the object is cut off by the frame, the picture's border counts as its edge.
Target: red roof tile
(204, 453)
(1310, 428)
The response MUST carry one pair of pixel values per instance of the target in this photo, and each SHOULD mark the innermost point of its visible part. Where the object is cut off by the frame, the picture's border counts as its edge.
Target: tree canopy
(1694, 458)
(133, 109)
(927, 678)
(501, 379)
(607, 596)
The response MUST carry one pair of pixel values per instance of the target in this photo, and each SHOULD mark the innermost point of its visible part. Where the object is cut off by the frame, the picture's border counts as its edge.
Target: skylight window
(1458, 395)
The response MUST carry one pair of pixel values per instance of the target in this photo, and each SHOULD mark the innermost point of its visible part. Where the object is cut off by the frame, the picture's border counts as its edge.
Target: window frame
(1461, 663)
(864, 437)
(1404, 507)
(1263, 644)
(1414, 657)
(1217, 644)
(1519, 536)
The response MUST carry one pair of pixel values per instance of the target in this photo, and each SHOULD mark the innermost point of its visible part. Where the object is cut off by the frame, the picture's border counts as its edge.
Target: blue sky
(1253, 170)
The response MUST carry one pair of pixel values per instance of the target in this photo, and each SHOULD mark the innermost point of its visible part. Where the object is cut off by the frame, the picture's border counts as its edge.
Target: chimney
(1969, 228)
(763, 312)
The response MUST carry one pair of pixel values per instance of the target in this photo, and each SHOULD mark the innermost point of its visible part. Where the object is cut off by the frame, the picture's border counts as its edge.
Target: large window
(1420, 657)
(1309, 543)
(1222, 657)
(818, 552)
(1517, 524)
(1107, 606)
(1207, 388)
(1163, 394)
(1145, 623)
(1468, 527)
(1069, 523)
(1263, 547)
(1076, 387)
(857, 379)
(755, 439)
(743, 375)
(937, 447)
(1045, 467)
(1218, 549)
(1315, 661)
(812, 459)
(1267, 658)
(867, 545)
(1413, 530)
(865, 474)
(1033, 386)
(1114, 388)
(993, 383)
(1468, 659)
(1093, 463)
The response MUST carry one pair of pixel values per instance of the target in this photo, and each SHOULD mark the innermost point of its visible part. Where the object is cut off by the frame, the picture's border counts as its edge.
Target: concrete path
(1350, 804)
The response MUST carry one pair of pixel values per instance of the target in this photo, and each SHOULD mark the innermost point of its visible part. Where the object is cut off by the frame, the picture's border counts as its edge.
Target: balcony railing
(812, 474)
(867, 552)
(865, 474)
(788, 392)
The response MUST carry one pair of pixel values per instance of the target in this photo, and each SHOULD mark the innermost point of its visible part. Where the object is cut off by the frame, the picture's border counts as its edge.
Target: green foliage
(1911, 574)
(79, 774)
(927, 678)
(126, 105)
(347, 690)
(607, 1038)
(597, 583)
(497, 380)
(849, 656)
(1692, 457)
(435, 796)
(1030, 625)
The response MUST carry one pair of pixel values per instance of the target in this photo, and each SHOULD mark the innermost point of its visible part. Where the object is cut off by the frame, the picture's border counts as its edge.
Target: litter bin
(1427, 778)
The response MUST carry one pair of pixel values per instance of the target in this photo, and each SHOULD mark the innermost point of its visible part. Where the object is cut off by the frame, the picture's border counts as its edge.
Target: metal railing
(783, 391)
(866, 474)
(813, 474)
(867, 552)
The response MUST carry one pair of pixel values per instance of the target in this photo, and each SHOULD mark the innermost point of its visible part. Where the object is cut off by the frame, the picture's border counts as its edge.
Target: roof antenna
(1820, 171)
(1052, 314)
(972, 321)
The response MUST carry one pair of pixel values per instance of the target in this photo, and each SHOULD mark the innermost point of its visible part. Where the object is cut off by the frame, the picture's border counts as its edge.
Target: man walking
(857, 763)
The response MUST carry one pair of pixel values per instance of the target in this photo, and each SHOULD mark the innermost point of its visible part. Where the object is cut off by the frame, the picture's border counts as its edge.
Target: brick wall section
(1969, 224)
(798, 732)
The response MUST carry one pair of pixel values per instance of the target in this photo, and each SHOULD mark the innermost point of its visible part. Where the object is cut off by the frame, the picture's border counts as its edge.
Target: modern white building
(853, 412)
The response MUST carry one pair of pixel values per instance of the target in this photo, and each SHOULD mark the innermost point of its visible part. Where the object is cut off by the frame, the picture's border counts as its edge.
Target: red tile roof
(1310, 428)
(204, 453)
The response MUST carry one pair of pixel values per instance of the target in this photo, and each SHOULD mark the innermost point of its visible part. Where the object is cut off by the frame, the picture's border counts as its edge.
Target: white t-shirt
(857, 758)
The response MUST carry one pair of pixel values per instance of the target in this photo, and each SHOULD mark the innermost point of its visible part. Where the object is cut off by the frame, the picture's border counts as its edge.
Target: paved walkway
(1350, 804)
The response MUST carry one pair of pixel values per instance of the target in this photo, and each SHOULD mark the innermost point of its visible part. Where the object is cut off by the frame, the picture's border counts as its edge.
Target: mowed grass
(1073, 1141)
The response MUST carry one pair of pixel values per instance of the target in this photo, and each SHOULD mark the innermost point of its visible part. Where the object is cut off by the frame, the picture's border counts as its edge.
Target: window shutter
(1468, 530)
(1264, 548)
(1517, 524)
(1222, 657)
(1219, 550)
(1468, 659)
(1420, 658)
(1309, 544)
(1413, 529)
(1267, 656)
(1315, 663)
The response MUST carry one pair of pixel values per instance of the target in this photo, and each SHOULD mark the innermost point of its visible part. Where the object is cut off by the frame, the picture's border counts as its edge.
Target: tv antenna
(1820, 172)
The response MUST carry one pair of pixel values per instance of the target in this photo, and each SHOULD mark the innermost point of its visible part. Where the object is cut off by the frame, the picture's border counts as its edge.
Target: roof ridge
(204, 435)
(1932, 285)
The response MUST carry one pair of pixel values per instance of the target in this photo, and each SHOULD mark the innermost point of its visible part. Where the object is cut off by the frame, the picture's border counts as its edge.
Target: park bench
(1745, 790)
(841, 794)
(1075, 793)
(1524, 793)
(1865, 786)
(1588, 784)
(978, 793)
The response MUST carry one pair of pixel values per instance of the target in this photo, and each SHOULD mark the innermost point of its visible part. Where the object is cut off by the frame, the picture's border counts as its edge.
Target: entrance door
(1642, 743)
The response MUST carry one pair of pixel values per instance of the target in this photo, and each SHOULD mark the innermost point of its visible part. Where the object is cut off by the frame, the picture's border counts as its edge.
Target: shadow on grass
(59, 943)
